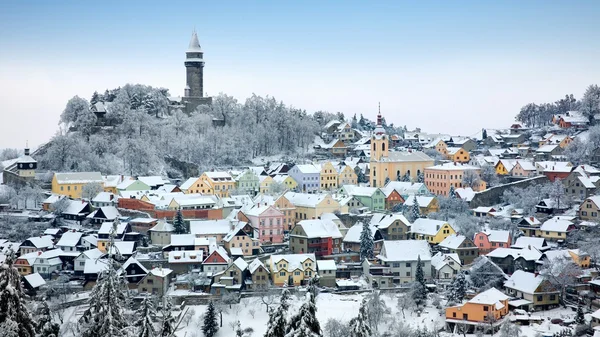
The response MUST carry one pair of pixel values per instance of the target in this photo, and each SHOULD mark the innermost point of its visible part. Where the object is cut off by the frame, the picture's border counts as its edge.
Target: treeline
(537, 115)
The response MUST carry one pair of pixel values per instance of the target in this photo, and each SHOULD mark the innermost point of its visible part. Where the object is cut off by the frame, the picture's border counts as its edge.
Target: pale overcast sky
(445, 66)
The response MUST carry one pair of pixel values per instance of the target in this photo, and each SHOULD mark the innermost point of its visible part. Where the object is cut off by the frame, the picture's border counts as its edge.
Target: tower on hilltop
(194, 67)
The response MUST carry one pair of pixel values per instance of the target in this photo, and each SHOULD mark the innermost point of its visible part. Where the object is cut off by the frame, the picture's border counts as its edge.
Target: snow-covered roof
(353, 234)
(452, 167)
(305, 199)
(188, 183)
(75, 207)
(194, 256)
(406, 156)
(240, 263)
(256, 210)
(557, 254)
(233, 232)
(319, 228)
(254, 265)
(162, 226)
(362, 191)
(69, 239)
(104, 197)
(107, 228)
(497, 235)
(524, 282)
(326, 265)
(491, 296)
(123, 247)
(91, 239)
(110, 213)
(405, 250)
(427, 226)
(527, 241)
(206, 227)
(78, 177)
(294, 261)
(35, 280)
(93, 253)
(554, 166)
(95, 266)
(466, 194)
(308, 169)
(452, 241)
(41, 242)
(547, 148)
(402, 187)
(383, 221)
(556, 225)
(153, 181)
(53, 198)
(132, 260)
(439, 260)
(529, 254)
(161, 272)
(526, 165)
(422, 200)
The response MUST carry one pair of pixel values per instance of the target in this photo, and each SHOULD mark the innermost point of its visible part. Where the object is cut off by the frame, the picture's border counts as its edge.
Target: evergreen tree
(354, 123)
(104, 316)
(359, 326)
(15, 319)
(146, 314)
(416, 209)
(419, 291)
(579, 318)
(45, 326)
(211, 325)
(277, 317)
(452, 193)
(305, 322)
(419, 275)
(387, 180)
(95, 98)
(406, 177)
(366, 242)
(421, 178)
(238, 329)
(168, 321)
(484, 134)
(458, 288)
(178, 223)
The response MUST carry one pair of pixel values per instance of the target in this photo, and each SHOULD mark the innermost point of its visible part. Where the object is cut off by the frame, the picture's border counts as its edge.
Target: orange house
(392, 199)
(458, 155)
(488, 307)
(489, 240)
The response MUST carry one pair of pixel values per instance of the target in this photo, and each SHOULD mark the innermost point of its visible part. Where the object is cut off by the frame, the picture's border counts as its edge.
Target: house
(259, 274)
(247, 182)
(580, 187)
(311, 206)
(488, 240)
(104, 199)
(265, 183)
(557, 170)
(318, 237)
(132, 185)
(346, 175)
(160, 234)
(432, 231)
(578, 257)
(154, 182)
(76, 210)
(142, 225)
(36, 244)
(156, 282)
(371, 197)
(186, 242)
(47, 262)
(89, 241)
(241, 241)
(105, 230)
(478, 310)
(392, 198)
(24, 263)
(534, 289)
(289, 212)
(292, 269)
(483, 211)
(349, 204)
(306, 176)
(233, 278)
(529, 225)
(427, 204)
(103, 214)
(327, 271)
(344, 132)
(268, 220)
(402, 256)
(352, 238)
(216, 183)
(572, 119)
(590, 208)
(285, 181)
(511, 259)
(406, 188)
(548, 152)
(467, 194)
(460, 245)
(80, 261)
(92, 269)
(524, 168)
(458, 155)
(444, 267)
(549, 206)
(69, 241)
(552, 139)
(464, 142)
(440, 178)
(534, 242)
(393, 226)
(555, 229)
(328, 177)
(216, 229)
(134, 272)
(505, 166)
(33, 282)
(71, 183)
(217, 261)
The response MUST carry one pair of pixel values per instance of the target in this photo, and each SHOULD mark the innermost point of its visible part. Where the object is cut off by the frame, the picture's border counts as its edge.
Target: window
(407, 274)
(552, 297)
(408, 265)
(540, 298)
(486, 308)
(282, 273)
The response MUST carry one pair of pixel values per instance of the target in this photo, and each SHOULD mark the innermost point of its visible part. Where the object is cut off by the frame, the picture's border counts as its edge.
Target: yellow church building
(393, 164)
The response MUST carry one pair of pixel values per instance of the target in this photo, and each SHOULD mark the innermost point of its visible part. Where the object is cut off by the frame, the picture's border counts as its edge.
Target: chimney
(529, 247)
(531, 218)
(39, 253)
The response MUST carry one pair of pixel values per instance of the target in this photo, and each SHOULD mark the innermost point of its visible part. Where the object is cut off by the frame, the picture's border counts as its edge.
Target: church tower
(379, 140)
(194, 65)
(26, 165)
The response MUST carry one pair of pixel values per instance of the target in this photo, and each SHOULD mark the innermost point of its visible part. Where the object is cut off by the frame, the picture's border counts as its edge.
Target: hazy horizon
(444, 67)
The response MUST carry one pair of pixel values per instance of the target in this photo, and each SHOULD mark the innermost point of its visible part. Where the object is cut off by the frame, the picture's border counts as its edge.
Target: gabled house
(182, 262)
(460, 245)
(328, 177)
(292, 269)
(105, 231)
(233, 278)
(80, 261)
(590, 208)
(392, 198)
(133, 272)
(511, 259)
(70, 241)
(538, 293)
(555, 229)
(458, 155)
(432, 231)
(160, 234)
(217, 261)
(488, 240)
(444, 267)
(71, 183)
(477, 310)
(47, 262)
(427, 204)
(259, 274)
(265, 183)
(402, 256)
(346, 175)
(105, 199)
(523, 242)
(311, 206)
(327, 273)
(318, 237)
(524, 168)
(580, 187)
(529, 225)
(307, 177)
(549, 206)
(285, 181)
(156, 282)
(371, 197)
(393, 226)
(103, 214)
(132, 185)
(240, 241)
(76, 210)
(352, 238)
(247, 182)
(36, 244)
(268, 220)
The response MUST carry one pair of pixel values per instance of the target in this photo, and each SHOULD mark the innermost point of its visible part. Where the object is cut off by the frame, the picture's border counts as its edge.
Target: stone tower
(194, 66)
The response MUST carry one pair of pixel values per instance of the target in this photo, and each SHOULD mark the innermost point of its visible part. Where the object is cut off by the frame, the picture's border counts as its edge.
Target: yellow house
(265, 183)
(555, 229)
(441, 147)
(289, 212)
(580, 258)
(504, 167)
(346, 176)
(217, 183)
(427, 204)
(292, 269)
(311, 206)
(328, 177)
(458, 155)
(288, 182)
(71, 183)
(432, 231)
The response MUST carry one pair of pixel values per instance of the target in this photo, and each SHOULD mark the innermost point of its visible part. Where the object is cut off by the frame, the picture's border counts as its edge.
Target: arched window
(373, 146)
(398, 173)
(418, 172)
(383, 146)
(408, 172)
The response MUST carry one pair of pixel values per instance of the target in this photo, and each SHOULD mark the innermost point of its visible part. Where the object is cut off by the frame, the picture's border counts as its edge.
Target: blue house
(307, 177)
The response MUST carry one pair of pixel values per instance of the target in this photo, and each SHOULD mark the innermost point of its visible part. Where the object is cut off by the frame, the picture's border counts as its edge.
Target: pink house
(268, 220)
(489, 240)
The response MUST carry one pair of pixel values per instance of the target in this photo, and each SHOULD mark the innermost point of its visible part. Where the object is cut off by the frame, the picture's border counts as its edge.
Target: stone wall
(493, 195)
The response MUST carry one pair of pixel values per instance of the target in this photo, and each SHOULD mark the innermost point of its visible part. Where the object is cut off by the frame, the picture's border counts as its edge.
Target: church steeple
(379, 130)
(194, 44)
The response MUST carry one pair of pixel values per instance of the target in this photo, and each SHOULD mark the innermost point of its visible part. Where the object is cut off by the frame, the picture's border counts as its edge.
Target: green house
(248, 182)
(371, 197)
(133, 185)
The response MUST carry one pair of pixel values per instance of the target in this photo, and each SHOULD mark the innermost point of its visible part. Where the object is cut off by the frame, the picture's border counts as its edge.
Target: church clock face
(30, 165)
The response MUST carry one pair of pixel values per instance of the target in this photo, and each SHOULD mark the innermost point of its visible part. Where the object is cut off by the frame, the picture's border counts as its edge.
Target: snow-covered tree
(415, 210)
(90, 190)
(452, 193)
(376, 309)
(366, 242)
(45, 326)
(336, 328)
(590, 102)
(421, 178)
(560, 273)
(359, 326)
(419, 290)
(508, 329)
(305, 322)
(458, 288)
(406, 177)
(211, 326)
(15, 319)
(557, 193)
(105, 314)
(579, 318)
(470, 179)
(405, 302)
(167, 326)
(75, 108)
(146, 314)
(179, 226)
(277, 317)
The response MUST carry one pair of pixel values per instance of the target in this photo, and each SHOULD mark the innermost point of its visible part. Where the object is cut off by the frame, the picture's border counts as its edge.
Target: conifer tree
(211, 325)
(419, 291)
(45, 326)
(458, 288)
(366, 242)
(104, 316)
(452, 193)
(168, 321)
(277, 317)
(145, 317)
(178, 223)
(421, 178)
(359, 326)
(416, 209)
(15, 319)
(579, 318)
(305, 322)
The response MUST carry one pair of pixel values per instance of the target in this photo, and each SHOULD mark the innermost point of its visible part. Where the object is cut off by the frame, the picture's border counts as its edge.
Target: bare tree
(406, 302)
(560, 272)
(90, 190)
(268, 296)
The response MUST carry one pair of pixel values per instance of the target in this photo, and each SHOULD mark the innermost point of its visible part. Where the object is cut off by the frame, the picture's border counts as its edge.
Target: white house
(401, 257)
